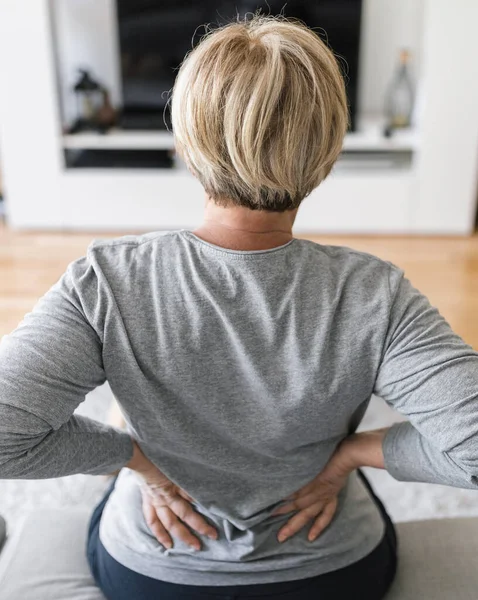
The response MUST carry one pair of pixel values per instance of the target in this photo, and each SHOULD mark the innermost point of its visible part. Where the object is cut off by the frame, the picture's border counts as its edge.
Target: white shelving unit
(368, 137)
(432, 191)
(353, 196)
(368, 191)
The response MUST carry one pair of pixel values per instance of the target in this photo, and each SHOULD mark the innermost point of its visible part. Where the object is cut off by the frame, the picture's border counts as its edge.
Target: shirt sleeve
(429, 374)
(47, 366)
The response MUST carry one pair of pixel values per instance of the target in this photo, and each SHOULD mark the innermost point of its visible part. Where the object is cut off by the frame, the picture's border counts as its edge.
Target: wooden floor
(445, 269)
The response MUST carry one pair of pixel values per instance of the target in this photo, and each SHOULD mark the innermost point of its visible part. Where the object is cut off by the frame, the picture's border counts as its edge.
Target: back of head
(259, 112)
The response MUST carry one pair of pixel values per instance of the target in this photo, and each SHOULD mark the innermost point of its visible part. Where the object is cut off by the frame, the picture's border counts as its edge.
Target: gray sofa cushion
(438, 560)
(45, 560)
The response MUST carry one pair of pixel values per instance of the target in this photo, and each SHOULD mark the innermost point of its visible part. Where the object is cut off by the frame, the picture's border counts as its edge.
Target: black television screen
(156, 34)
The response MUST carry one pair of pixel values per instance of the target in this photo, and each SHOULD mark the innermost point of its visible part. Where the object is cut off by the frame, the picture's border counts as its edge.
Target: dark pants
(367, 579)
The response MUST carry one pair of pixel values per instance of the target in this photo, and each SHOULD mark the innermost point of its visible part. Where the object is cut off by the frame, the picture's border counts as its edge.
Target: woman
(242, 358)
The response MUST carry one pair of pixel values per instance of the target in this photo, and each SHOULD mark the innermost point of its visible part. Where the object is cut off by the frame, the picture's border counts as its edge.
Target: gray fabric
(404, 442)
(428, 373)
(45, 560)
(3, 532)
(239, 373)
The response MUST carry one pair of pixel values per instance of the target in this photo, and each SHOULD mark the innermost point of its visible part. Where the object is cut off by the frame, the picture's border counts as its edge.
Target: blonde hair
(259, 112)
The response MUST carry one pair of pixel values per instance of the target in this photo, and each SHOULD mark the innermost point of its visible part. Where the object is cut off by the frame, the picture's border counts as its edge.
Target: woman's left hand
(317, 501)
(166, 507)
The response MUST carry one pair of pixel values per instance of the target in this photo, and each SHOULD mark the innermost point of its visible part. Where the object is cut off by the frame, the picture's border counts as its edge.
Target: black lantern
(89, 98)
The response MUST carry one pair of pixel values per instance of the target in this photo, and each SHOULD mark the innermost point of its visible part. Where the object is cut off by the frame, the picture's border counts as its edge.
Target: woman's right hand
(167, 508)
(317, 501)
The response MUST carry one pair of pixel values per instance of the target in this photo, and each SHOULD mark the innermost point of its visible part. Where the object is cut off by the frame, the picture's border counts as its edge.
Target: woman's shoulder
(132, 240)
(142, 249)
(123, 258)
(345, 258)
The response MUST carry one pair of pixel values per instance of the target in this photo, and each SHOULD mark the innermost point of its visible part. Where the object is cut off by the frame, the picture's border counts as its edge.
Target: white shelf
(117, 139)
(369, 137)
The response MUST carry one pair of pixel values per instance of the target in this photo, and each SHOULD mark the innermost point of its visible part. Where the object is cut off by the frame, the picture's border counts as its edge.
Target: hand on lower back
(317, 501)
(167, 508)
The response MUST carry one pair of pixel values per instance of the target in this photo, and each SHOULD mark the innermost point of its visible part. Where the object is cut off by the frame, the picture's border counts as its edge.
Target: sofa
(44, 559)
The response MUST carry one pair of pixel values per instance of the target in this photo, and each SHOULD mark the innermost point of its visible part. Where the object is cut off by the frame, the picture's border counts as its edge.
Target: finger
(176, 528)
(323, 520)
(160, 533)
(282, 510)
(172, 497)
(183, 509)
(299, 520)
(185, 495)
(154, 524)
(301, 502)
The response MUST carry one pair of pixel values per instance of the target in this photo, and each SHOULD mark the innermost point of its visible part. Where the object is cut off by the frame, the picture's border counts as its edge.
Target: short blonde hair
(259, 112)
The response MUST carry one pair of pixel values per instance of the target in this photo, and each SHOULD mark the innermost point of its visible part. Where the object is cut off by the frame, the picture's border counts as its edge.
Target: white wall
(87, 36)
(448, 158)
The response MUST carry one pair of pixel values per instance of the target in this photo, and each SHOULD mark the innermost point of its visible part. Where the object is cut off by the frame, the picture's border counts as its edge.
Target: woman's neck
(239, 228)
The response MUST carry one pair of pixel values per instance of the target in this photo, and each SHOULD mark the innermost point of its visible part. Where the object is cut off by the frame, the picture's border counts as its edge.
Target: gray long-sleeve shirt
(238, 373)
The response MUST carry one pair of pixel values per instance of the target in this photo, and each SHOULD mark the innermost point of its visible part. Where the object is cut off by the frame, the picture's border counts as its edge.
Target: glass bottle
(400, 96)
